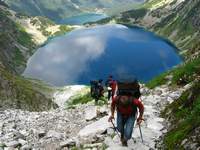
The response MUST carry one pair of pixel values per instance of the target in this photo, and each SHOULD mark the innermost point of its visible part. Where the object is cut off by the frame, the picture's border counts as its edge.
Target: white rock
(110, 131)
(68, 143)
(103, 109)
(92, 145)
(26, 147)
(90, 113)
(22, 142)
(13, 144)
(54, 134)
(97, 127)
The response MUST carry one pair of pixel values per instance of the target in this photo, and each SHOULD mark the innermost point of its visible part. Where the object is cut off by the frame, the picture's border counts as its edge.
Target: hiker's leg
(109, 94)
(129, 127)
(120, 126)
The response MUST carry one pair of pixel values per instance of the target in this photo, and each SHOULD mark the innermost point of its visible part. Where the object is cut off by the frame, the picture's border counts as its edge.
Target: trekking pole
(115, 128)
(141, 133)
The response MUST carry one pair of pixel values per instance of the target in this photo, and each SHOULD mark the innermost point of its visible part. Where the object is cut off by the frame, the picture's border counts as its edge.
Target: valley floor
(85, 126)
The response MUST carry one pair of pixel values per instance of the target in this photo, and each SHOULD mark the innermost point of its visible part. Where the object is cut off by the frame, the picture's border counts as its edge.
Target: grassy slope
(184, 115)
(17, 92)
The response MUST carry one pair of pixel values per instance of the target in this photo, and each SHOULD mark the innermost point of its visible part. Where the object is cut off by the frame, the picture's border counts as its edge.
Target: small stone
(194, 145)
(13, 144)
(22, 142)
(110, 131)
(54, 134)
(26, 147)
(24, 132)
(18, 135)
(184, 141)
(158, 92)
(95, 145)
(40, 133)
(68, 143)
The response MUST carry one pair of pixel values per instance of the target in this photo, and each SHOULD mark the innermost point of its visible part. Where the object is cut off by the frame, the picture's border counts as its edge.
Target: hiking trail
(85, 126)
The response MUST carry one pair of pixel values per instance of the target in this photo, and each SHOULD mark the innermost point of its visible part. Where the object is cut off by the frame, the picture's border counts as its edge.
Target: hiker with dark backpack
(96, 89)
(126, 103)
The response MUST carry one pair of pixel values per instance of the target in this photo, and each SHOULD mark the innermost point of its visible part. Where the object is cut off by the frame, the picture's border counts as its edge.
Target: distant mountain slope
(178, 20)
(60, 9)
(16, 46)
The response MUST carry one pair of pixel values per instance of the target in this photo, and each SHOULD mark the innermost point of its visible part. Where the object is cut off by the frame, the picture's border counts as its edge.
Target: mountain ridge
(60, 9)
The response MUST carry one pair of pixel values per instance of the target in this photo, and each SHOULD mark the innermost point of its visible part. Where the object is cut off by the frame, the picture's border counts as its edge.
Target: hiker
(111, 85)
(126, 103)
(96, 89)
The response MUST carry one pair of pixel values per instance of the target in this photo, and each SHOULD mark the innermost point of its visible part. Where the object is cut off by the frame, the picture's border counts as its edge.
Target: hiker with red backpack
(126, 103)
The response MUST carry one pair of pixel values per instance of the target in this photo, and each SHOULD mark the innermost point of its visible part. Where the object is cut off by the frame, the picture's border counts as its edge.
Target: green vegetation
(183, 74)
(18, 58)
(159, 80)
(187, 71)
(152, 3)
(84, 99)
(185, 114)
(63, 29)
(23, 37)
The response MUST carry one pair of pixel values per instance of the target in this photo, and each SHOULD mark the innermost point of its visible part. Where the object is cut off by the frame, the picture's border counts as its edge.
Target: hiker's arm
(141, 111)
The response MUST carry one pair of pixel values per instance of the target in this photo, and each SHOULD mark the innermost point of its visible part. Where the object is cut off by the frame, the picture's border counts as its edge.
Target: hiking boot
(124, 143)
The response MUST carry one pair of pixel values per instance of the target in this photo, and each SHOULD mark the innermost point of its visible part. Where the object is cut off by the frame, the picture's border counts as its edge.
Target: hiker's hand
(139, 120)
(111, 118)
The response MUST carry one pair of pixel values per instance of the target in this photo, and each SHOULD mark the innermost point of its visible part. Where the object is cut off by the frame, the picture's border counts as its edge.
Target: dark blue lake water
(82, 18)
(97, 52)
